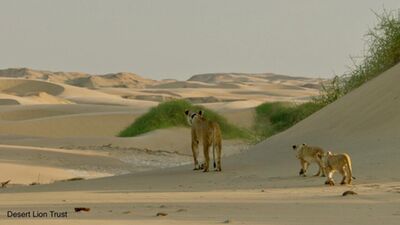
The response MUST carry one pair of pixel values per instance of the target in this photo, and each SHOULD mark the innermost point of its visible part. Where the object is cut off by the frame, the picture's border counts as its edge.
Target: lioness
(338, 162)
(209, 133)
(308, 154)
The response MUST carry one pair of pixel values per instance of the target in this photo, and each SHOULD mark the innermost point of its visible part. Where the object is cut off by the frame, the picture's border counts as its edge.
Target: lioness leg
(206, 147)
(195, 151)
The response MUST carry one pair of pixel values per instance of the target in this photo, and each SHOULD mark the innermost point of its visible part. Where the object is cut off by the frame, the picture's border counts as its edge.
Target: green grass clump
(172, 114)
(272, 118)
(383, 52)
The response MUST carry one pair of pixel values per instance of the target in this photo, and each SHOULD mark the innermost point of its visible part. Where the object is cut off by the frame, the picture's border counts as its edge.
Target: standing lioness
(209, 134)
(308, 154)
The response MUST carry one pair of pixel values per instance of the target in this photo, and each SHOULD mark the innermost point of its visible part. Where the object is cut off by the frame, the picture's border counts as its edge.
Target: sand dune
(23, 174)
(46, 87)
(98, 124)
(6, 101)
(27, 92)
(75, 120)
(191, 84)
(26, 165)
(80, 79)
(22, 87)
(249, 78)
(126, 80)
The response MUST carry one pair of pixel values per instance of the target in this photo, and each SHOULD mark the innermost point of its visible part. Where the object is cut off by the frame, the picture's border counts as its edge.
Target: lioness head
(192, 116)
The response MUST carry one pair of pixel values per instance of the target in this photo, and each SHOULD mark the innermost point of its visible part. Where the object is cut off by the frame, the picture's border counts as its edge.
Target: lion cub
(207, 132)
(308, 154)
(337, 162)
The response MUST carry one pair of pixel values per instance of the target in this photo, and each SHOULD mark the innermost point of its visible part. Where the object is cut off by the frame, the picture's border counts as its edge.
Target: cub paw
(201, 166)
(329, 182)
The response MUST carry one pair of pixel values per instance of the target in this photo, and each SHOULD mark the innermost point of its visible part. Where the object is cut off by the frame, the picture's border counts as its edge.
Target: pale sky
(179, 38)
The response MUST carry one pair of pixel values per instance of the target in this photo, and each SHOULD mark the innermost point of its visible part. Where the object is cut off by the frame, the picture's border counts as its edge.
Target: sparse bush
(272, 118)
(383, 52)
(383, 44)
(171, 114)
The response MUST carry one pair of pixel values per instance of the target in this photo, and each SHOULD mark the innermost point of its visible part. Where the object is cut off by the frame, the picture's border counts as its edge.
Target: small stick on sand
(78, 209)
(4, 184)
(349, 193)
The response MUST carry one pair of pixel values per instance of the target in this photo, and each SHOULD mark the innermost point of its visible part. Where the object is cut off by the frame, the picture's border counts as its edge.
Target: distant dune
(245, 77)
(80, 79)
(22, 87)
(192, 84)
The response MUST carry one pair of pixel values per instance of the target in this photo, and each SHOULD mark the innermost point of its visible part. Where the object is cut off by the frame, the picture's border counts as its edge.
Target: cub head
(325, 156)
(192, 116)
(298, 149)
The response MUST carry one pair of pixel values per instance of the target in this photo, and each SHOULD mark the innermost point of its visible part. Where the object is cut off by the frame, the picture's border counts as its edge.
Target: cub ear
(294, 147)
(186, 112)
(201, 112)
(304, 144)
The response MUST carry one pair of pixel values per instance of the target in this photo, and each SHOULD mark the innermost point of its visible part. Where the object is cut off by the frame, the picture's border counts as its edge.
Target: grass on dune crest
(275, 117)
(172, 114)
(383, 52)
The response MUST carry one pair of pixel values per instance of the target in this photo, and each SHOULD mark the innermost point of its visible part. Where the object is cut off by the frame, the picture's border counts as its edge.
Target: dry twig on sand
(349, 193)
(78, 209)
(4, 184)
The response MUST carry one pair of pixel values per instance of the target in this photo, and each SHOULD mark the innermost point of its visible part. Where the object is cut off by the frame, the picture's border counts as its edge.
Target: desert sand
(152, 173)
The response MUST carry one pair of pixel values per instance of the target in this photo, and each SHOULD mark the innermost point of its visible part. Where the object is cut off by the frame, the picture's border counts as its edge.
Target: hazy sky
(179, 38)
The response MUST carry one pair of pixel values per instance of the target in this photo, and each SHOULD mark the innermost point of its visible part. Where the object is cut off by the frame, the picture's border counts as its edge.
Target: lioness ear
(201, 112)
(294, 147)
(186, 112)
(304, 144)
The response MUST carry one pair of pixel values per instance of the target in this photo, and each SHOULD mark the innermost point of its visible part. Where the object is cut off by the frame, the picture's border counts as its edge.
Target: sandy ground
(375, 204)
(257, 186)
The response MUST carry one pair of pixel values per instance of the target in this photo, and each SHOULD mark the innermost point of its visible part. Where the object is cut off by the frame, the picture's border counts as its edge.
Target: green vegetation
(383, 52)
(272, 118)
(171, 114)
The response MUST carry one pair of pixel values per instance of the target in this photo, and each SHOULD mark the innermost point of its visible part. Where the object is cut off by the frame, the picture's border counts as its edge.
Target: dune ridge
(266, 86)
(79, 79)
